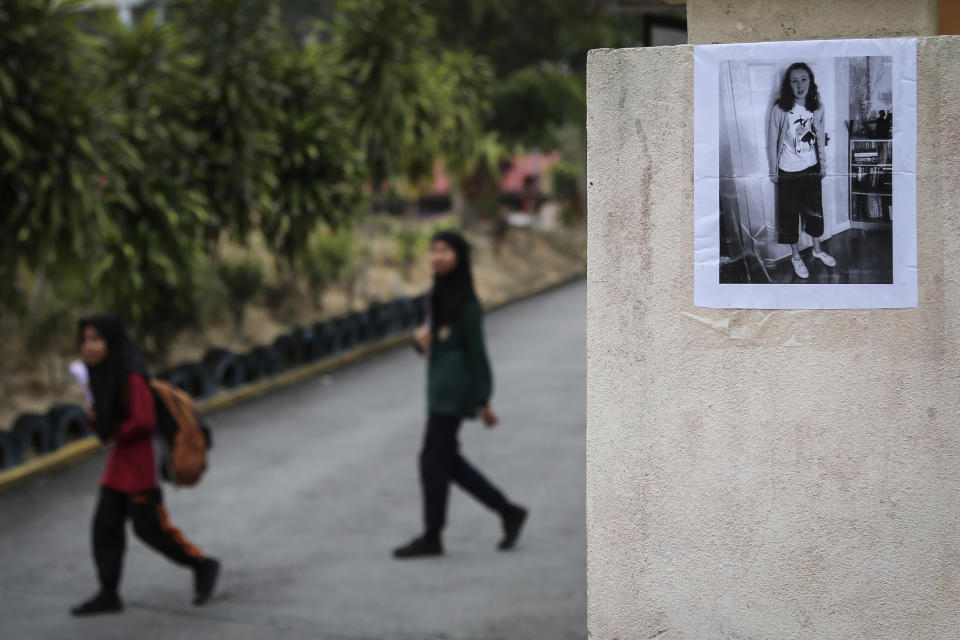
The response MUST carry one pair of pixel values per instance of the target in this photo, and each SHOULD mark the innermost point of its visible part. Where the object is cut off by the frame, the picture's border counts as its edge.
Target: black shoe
(205, 579)
(513, 519)
(421, 547)
(103, 602)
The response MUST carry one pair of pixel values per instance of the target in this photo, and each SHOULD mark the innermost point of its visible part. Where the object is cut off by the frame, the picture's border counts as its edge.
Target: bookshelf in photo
(871, 181)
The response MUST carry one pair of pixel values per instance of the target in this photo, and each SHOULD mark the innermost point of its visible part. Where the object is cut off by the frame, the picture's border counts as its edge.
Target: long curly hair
(786, 99)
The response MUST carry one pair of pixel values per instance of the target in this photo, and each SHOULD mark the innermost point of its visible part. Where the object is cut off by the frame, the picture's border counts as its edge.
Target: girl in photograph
(795, 141)
(459, 386)
(124, 414)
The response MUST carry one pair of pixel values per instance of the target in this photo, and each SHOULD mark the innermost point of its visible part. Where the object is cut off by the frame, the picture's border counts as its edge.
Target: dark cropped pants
(799, 201)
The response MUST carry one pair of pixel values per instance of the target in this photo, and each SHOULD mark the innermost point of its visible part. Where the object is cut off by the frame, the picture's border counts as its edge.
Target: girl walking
(459, 386)
(795, 141)
(124, 414)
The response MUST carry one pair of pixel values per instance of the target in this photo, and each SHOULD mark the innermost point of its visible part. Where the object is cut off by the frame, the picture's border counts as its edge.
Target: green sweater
(459, 381)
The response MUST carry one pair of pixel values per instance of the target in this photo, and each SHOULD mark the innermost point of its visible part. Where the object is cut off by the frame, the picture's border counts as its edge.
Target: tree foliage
(530, 105)
(538, 54)
(156, 209)
(382, 45)
(243, 278)
(319, 164)
(515, 34)
(128, 152)
(330, 257)
(52, 141)
(239, 46)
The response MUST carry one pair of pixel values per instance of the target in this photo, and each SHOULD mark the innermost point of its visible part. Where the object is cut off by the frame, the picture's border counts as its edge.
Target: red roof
(512, 179)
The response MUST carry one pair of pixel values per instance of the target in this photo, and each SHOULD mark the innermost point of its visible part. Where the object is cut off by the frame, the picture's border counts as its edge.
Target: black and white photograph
(805, 174)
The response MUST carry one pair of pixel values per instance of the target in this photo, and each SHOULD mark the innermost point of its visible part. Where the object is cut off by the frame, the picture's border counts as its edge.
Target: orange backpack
(184, 434)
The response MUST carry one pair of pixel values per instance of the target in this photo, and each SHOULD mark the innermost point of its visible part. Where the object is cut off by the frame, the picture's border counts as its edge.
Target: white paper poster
(805, 174)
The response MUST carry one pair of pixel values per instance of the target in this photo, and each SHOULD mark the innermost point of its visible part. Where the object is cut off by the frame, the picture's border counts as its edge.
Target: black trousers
(441, 462)
(799, 201)
(150, 523)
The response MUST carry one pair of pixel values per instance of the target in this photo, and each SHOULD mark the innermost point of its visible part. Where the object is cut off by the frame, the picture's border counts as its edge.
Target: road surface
(309, 490)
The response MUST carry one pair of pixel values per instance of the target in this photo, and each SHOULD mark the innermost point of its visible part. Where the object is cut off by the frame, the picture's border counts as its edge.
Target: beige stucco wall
(712, 21)
(762, 474)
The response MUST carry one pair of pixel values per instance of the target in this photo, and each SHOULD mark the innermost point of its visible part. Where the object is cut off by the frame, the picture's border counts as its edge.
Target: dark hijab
(108, 379)
(452, 290)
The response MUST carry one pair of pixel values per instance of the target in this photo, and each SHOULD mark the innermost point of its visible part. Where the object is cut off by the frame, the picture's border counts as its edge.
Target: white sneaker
(825, 258)
(799, 267)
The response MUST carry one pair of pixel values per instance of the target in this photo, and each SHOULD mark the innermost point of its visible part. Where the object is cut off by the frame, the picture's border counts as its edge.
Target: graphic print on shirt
(803, 136)
(798, 142)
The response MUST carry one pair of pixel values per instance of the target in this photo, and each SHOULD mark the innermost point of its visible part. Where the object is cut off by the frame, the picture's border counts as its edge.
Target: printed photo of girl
(795, 136)
(805, 174)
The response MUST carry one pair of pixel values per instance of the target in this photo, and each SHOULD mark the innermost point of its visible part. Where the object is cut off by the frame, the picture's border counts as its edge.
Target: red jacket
(131, 465)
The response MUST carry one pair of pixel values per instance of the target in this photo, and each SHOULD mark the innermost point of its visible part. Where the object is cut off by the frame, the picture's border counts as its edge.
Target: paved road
(311, 488)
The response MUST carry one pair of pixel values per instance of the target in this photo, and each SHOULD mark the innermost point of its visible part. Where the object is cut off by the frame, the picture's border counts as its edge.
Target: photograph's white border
(708, 292)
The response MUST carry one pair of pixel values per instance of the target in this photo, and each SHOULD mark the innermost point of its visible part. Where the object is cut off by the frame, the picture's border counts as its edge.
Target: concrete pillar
(764, 474)
(721, 21)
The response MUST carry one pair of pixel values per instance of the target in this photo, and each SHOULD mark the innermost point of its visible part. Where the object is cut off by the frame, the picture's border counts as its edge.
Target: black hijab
(108, 379)
(452, 290)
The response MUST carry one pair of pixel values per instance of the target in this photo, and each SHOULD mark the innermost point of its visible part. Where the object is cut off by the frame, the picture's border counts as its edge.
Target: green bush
(411, 243)
(243, 278)
(277, 294)
(530, 104)
(48, 325)
(47, 330)
(281, 297)
(330, 258)
(564, 180)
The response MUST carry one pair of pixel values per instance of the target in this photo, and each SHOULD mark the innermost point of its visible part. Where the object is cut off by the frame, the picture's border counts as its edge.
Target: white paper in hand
(82, 376)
